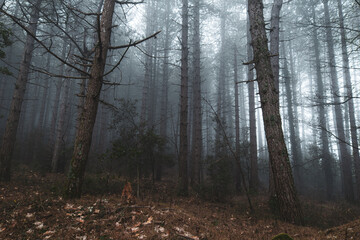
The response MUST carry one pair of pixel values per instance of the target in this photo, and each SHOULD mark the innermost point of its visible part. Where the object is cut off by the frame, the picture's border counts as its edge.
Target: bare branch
(136, 42)
(42, 44)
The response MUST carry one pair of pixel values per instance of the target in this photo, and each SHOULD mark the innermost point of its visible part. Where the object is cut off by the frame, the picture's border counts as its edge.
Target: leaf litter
(30, 211)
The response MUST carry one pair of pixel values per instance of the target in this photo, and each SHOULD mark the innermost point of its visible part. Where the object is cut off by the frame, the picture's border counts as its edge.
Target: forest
(179, 119)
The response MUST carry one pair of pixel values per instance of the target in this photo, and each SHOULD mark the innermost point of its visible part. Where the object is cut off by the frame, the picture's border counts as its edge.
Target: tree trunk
(345, 156)
(325, 147)
(274, 39)
(148, 68)
(294, 142)
(286, 201)
(197, 114)
(183, 154)
(254, 177)
(347, 77)
(9, 138)
(88, 115)
(237, 123)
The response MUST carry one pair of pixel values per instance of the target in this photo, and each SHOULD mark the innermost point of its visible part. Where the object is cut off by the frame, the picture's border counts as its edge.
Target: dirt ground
(32, 208)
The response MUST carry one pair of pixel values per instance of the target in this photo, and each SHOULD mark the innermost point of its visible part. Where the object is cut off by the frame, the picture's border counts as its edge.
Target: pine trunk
(286, 201)
(88, 115)
(183, 154)
(9, 138)
(344, 154)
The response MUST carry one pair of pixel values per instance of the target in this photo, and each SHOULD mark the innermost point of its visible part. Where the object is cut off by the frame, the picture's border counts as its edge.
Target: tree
(197, 115)
(9, 138)
(349, 93)
(347, 182)
(183, 154)
(286, 200)
(88, 114)
(254, 177)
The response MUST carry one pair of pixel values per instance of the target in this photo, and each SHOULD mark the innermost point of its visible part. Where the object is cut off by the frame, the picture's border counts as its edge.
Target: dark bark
(197, 114)
(88, 115)
(351, 107)
(237, 123)
(183, 154)
(274, 39)
(254, 177)
(9, 138)
(286, 201)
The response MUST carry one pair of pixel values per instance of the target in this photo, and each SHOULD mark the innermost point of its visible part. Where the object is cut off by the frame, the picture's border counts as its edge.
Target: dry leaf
(149, 221)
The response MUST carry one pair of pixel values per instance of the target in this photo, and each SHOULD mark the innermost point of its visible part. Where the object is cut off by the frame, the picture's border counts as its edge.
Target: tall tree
(88, 114)
(9, 138)
(183, 154)
(347, 182)
(197, 114)
(322, 122)
(349, 93)
(286, 200)
(294, 141)
(254, 177)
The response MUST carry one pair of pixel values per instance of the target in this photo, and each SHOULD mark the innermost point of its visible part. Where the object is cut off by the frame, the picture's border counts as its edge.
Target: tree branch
(136, 42)
(42, 44)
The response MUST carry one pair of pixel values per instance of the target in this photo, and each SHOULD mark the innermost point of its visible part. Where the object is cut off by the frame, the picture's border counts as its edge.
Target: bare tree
(12, 124)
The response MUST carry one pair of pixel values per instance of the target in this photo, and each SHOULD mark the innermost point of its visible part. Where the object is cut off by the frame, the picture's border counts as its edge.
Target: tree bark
(325, 147)
(287, 203)
(274, 39)
(197, 114)
(294, 141)
(348, 85)
(183, 154)
(9, 138)
(88, 115)
(254, 177)
(345, 156)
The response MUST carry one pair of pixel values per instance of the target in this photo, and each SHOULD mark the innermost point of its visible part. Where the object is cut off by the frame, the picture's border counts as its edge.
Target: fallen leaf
(49, 232)
(39, 225)
(159, 229)
(134, 229)
(29, 215)
(149, 221)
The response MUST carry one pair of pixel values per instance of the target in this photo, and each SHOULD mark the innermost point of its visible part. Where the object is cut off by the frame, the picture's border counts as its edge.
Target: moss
(282, 236)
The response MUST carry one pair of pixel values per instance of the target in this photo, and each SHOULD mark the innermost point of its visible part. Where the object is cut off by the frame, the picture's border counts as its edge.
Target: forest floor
(31, 207)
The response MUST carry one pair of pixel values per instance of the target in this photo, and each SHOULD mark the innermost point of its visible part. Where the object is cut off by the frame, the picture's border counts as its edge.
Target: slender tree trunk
(164, 87)
(254, 177)
(347, 77)
(286, 198)
(183, 154)
(148, 68)
(294, 143)
(88, 115)
(325, 147)
(345, 156)
(9, 138)
(237, 123)
(197, 114)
